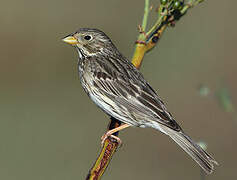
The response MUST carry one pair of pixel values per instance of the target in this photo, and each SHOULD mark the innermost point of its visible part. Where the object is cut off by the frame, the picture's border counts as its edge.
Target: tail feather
(205, 161)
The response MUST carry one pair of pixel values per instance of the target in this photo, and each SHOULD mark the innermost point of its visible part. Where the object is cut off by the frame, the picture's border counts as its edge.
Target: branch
(169, 12)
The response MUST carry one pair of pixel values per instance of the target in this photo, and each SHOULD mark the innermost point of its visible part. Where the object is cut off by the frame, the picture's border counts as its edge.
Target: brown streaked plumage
(121, 91)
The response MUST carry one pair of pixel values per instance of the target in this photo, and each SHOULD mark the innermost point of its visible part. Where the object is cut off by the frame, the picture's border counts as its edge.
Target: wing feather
(134, 101)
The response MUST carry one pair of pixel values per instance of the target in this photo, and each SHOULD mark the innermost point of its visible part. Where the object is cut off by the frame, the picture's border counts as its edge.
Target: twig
(140, 43)
(106, 154)
(169, 12)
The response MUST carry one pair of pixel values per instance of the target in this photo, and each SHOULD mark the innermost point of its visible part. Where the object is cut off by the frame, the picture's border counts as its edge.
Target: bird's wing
(125, 90)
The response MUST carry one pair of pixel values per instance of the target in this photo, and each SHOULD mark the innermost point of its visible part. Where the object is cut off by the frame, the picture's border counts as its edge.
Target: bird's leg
(110, 132)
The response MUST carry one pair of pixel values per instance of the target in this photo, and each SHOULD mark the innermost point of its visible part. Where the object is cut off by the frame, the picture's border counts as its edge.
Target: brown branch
(168, 14)
(109, 148)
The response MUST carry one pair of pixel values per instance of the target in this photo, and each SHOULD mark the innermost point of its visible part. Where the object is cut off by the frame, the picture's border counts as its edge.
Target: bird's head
(90, 42)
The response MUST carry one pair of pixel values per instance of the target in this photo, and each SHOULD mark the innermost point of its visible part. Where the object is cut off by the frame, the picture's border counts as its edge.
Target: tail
(205, 161)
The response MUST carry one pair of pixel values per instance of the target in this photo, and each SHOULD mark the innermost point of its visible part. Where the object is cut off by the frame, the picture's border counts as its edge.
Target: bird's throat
(80, 53)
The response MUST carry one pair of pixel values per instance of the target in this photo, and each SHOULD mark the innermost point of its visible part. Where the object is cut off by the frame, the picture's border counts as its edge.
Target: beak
(70, 40)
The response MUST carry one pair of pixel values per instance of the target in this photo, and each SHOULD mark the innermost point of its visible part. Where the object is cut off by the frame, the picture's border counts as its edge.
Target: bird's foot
(109, 135)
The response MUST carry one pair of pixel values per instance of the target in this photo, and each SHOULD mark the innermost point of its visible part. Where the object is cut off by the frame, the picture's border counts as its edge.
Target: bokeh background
(49, 129)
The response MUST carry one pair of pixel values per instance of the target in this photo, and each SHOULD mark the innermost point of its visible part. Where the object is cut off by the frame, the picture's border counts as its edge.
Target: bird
(116, 86)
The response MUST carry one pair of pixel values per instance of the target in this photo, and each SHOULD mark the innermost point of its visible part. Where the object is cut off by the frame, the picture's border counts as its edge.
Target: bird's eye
(87, 37)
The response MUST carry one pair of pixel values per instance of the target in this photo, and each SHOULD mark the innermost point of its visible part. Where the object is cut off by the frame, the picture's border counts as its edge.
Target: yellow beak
(70, 40)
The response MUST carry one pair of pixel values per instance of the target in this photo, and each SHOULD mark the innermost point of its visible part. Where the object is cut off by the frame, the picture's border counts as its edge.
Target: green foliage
(224, 98)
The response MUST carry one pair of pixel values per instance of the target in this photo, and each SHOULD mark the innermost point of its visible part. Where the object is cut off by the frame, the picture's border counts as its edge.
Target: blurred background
(49, 129)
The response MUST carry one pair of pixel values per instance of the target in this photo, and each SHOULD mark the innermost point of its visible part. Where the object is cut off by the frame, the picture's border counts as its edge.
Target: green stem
(158, 22)
(141, 37)
(145, 16)
(161, 15)
(190, 4)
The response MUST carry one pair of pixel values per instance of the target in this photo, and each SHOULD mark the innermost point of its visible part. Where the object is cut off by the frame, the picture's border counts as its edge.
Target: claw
(111, 132)
(109, 135)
